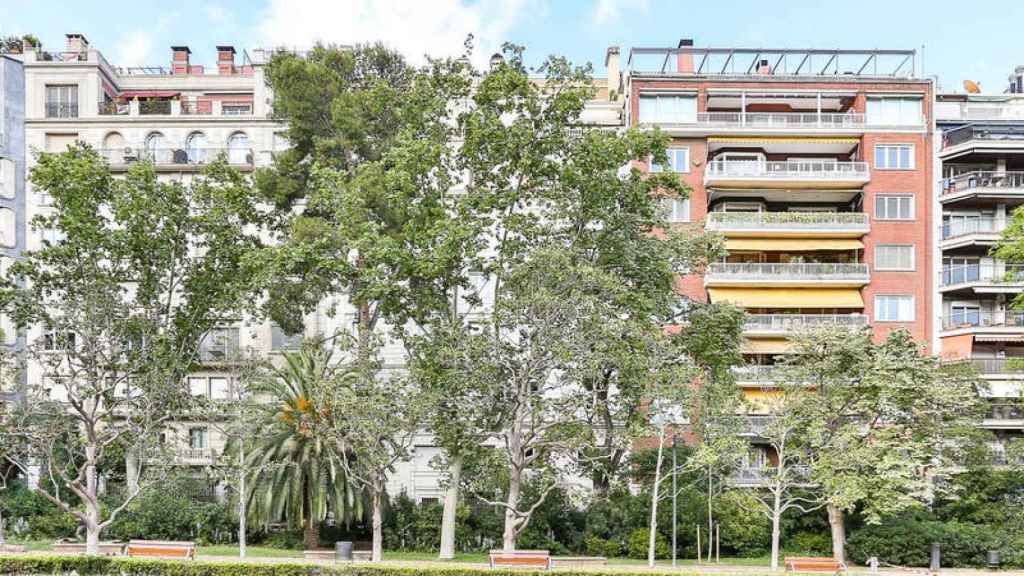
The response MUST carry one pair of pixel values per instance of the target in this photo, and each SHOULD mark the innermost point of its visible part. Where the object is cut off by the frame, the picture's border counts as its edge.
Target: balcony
(983, 185)
(756, 375)
(789, 224)
(782, 324)
(981, 231)
(786, 274)
(983, 278)
(220, 346)
(755, 425)
(972, 319)
(195, 456)
(986, 137)
(751, 476)
(736, 122)
(155, 108)
(788, 174)
(1005, 416)
(177, 158)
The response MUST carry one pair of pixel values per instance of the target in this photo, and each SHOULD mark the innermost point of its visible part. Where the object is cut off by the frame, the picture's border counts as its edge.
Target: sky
(979, 40)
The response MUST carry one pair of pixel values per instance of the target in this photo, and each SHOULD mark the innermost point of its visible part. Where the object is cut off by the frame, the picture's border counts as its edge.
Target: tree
(297, 470)
(881, 426)
(142, 271)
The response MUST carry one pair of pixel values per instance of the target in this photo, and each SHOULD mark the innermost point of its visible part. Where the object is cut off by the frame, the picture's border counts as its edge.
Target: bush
(906, 541)
(639, 541)
(808, 544)
(32, 517)
(170, 512)
(597, 546)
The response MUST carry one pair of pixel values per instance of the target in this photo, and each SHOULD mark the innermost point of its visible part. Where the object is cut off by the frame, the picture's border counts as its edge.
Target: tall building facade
(981, 182)
(817, 167)
(12, 180)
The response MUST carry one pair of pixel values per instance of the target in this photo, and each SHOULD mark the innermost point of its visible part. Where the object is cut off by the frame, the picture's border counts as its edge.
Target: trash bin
(936, 558)
(343, 551)
(993, 559)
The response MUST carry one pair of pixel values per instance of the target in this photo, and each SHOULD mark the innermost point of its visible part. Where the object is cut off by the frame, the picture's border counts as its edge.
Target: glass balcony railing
(784, 323)
(987, 273)
(810, 272)
(968, 226)
(987, 133)
(787, 170)
(988, 180)
(810, 221)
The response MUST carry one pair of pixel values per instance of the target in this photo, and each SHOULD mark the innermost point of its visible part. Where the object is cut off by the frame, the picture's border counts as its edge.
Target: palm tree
(298, 473)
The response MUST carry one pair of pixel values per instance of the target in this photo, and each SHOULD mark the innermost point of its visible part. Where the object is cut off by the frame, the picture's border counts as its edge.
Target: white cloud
(608, 11)
(414, 28)
(134, 48)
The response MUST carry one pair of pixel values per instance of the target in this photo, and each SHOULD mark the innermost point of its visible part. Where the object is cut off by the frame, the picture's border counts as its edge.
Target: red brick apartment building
(816, 165)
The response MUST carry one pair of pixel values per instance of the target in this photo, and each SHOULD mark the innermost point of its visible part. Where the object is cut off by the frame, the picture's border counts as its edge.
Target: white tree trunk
(508, 540)
(132, 471)
(776, 527)
(451, 504)
(92, 505)
(837, 523)
(241, 500)
(652, 537)
(378, 524)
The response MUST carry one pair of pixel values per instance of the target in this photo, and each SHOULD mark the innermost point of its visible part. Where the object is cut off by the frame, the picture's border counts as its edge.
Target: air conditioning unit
(130, 155)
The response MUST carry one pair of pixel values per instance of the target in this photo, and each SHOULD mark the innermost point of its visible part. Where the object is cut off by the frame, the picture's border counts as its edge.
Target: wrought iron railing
(795, 322)
(795, 169)
(760, 374)
(787, 271)
(62, 110)
(992, 273)
(983, 179)
(832, 221)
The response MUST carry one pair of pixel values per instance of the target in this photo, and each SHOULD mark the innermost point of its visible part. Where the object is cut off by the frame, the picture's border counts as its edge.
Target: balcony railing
(196, 455)
(828, 221)
(968, 226)
(998, 365)
(61, 110)
(787, 170)
(155, 107)
(757, 373)
(970, 180)
(177, 156)
(1006, 412)
(797, 322)
(761, 271)
(781, 120)
(982, 318)
(988, 273)
(219, 346)
(114, 108)
(197, 107)
(984, 133)
(751, 475)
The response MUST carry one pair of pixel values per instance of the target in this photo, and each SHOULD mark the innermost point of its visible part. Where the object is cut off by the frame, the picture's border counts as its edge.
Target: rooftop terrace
(687, 59)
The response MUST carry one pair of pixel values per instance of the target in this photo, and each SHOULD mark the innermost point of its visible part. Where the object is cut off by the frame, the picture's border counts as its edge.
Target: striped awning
(789, 297)
(999, 338)
(793, 245)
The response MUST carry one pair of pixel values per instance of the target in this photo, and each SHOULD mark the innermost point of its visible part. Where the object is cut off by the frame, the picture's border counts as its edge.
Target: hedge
(103, 566)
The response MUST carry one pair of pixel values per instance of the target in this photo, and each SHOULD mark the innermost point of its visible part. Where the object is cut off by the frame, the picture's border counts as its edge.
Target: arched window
(196, 146)
(156, 148)
(113, 148)
(238, 149)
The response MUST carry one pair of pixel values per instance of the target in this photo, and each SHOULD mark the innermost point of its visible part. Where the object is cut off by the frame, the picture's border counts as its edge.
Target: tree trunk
(451, 504)
(241, 500)
(311, 535)
(837, 523)
(378, 524)
(2, 539)
(776, 527)
(711, 518)
(652, 536)
(92, 504)
(132, 471)
(508, 541)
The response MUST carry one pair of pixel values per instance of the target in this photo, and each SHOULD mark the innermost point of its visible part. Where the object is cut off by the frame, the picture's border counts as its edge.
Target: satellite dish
(972, 87)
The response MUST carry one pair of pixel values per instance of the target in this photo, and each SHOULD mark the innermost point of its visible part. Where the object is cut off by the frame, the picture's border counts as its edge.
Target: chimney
(496, 60)
(76, 43)
(225, 60)
(684, 60)
(179, 59)
(611, 62)
(763, 67)
(1017, 80)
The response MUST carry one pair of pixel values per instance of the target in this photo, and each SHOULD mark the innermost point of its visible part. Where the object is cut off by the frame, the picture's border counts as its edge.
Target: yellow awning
(766, 346)
(789, 297)
(794, 245)
(780, 140)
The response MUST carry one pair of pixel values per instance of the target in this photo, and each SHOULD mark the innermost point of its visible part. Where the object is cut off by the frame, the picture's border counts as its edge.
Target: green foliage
(597, 546)
(808, 544)
(638, 543)
(170, 512)
(41, 518)
(744, 530)
(907, 540)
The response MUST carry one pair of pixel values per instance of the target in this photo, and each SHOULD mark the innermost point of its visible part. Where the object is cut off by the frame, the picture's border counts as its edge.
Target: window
(678, 209)
(281, 340)
(196, 146)
(219, 388)
(894, 111)
(198, 387)
(55, 340)
(894, 207)
(894, 257)
(7, 176)
(894, 156)
(238, 149)
(155, 148)
(894, 308)
(197, 438)
(678, 161)
(62, 101)
(668, 109)
(961, 314)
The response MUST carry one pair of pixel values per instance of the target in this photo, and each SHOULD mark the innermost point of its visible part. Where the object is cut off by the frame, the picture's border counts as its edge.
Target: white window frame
(204, 435)
(673, 160)
(888, 197)
(662, 114)
(913, 258)
(671, 205)
(910, 157)
(879, 308)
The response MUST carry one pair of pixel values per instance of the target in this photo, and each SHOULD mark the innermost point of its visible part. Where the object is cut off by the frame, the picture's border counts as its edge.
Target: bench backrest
(165, 549)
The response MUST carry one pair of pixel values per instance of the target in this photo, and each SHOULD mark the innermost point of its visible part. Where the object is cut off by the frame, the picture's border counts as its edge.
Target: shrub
(170, 512)
(597, 546)
(906, 541)
(33, 517)
(809, 544)
(639, 541)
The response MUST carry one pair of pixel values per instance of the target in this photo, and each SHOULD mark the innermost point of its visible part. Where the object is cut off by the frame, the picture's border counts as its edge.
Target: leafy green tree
(142, 270)
(297, 470)
(878, 426)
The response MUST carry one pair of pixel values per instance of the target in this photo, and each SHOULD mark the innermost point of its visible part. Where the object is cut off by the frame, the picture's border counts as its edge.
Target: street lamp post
(674, 493)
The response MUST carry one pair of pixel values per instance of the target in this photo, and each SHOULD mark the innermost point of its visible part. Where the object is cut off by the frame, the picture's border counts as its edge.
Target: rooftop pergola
(779, 62)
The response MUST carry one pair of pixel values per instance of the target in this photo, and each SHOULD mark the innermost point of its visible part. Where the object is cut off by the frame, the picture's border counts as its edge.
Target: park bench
(521, 559)
(811, 564)
(578, 561)
(12, 549)
(161, 549)
(78, 548)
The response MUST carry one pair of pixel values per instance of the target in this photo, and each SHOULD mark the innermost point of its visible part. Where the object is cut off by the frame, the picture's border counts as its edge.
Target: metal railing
(154, 107)
(967, 226)
(235, 108)
(993, 273)
(61, 110)
(768, 62)
(72, 56)
(757, 373)
(987, 133)
(998, 365)
(788, 271)
(178, 156)
(795, 322)
(781, 119)
(972, 318)
(797, 169)
(193, 454)
(969, 180)
(832, 221)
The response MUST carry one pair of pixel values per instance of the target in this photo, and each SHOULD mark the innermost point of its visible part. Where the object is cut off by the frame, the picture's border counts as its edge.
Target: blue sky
(963, 40)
